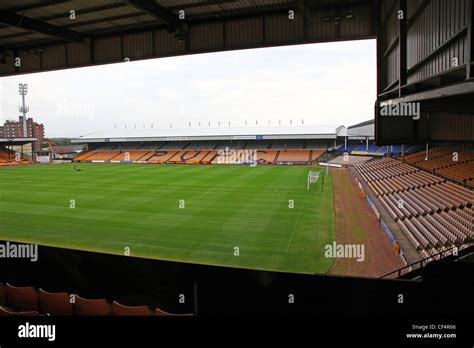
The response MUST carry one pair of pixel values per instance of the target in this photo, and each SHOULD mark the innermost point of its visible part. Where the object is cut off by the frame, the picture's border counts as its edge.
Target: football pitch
(259, 217)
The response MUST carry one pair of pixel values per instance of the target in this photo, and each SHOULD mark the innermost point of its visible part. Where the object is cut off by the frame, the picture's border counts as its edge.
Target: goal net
(312, 178)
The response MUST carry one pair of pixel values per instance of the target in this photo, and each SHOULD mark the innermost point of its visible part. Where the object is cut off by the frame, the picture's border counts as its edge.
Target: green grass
(137, 206)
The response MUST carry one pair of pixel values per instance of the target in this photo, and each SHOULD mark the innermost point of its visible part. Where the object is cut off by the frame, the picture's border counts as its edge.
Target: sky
(326, 84)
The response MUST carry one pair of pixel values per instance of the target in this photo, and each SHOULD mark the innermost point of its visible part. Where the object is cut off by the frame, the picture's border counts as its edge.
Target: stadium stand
(257, 145)
(174, 146)
(431, 212)
(27, 301)
(9, 313)
(102, 155)
(209, 157)
(413, 148)
(21, 298)
(395, 149)
(294, 156)
(133, 155)
(278, 144)
(150, 146)
(453, 163)
(108, 147)
(84, 156)
(295, 145)
(317, 154)
(351, 146)
(8, 158)
(203, 145)
(94, 307)
(192, 154)
(3, 295)
(55, 303)
(315, 144)
(128, 147)
(122, 310)
(267, 157)
(235, 145)
(161, 156)
(372, 149)
(188, 157)
(382, 151)
(359, 148)
(287, 145)
(162, 313)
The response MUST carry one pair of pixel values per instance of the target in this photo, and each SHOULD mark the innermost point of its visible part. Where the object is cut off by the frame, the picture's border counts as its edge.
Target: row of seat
(462, 172)
(403, 182)
(431, 212)
(212, 156)
(293, 144)
(434, 231)
(383, 168)
(7, 158)
(454, 163)
(27, 301)
(423, 155)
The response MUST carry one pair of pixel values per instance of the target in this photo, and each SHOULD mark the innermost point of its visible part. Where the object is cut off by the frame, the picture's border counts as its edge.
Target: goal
(312, 178)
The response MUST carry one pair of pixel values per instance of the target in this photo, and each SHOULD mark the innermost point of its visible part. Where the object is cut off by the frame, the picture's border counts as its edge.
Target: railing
(429, 259)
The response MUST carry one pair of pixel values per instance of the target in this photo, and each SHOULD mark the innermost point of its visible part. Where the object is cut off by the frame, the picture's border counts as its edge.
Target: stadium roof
(44, 36)
(66, 149)
(361, 124)
(16, 141)
(362, 130)
(230, 133)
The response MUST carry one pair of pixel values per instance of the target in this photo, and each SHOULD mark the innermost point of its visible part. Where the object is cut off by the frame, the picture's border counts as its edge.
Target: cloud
(323, 84)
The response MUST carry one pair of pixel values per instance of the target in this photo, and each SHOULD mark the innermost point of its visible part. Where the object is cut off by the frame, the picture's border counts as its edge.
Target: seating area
(98, 156)
(235, 145)
(192, 156)
(317, 154)
(188, 157)
(453, 163)
(432, 212)
(251, 145)
(351, 146)
(174, 146)
(266, 156)
(356, 147)
(28, 301)
(7, 158)
(294, 156)
(316, 145)
(161, 156)
(133, 156)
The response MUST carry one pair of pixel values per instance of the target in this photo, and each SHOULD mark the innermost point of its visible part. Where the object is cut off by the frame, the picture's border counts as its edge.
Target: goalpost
(312, 178)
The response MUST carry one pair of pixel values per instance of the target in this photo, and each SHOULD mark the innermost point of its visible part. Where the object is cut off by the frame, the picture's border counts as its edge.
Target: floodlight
(23, 88)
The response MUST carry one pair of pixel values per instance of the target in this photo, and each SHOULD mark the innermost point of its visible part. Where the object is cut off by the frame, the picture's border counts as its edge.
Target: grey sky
(323, 84)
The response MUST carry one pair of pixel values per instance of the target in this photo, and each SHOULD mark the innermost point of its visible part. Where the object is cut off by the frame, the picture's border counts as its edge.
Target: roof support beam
(155, 10)
(468, 46)
(402, 46)
(37, 5)
(107, 7)
(200, 4)
(26, 23)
